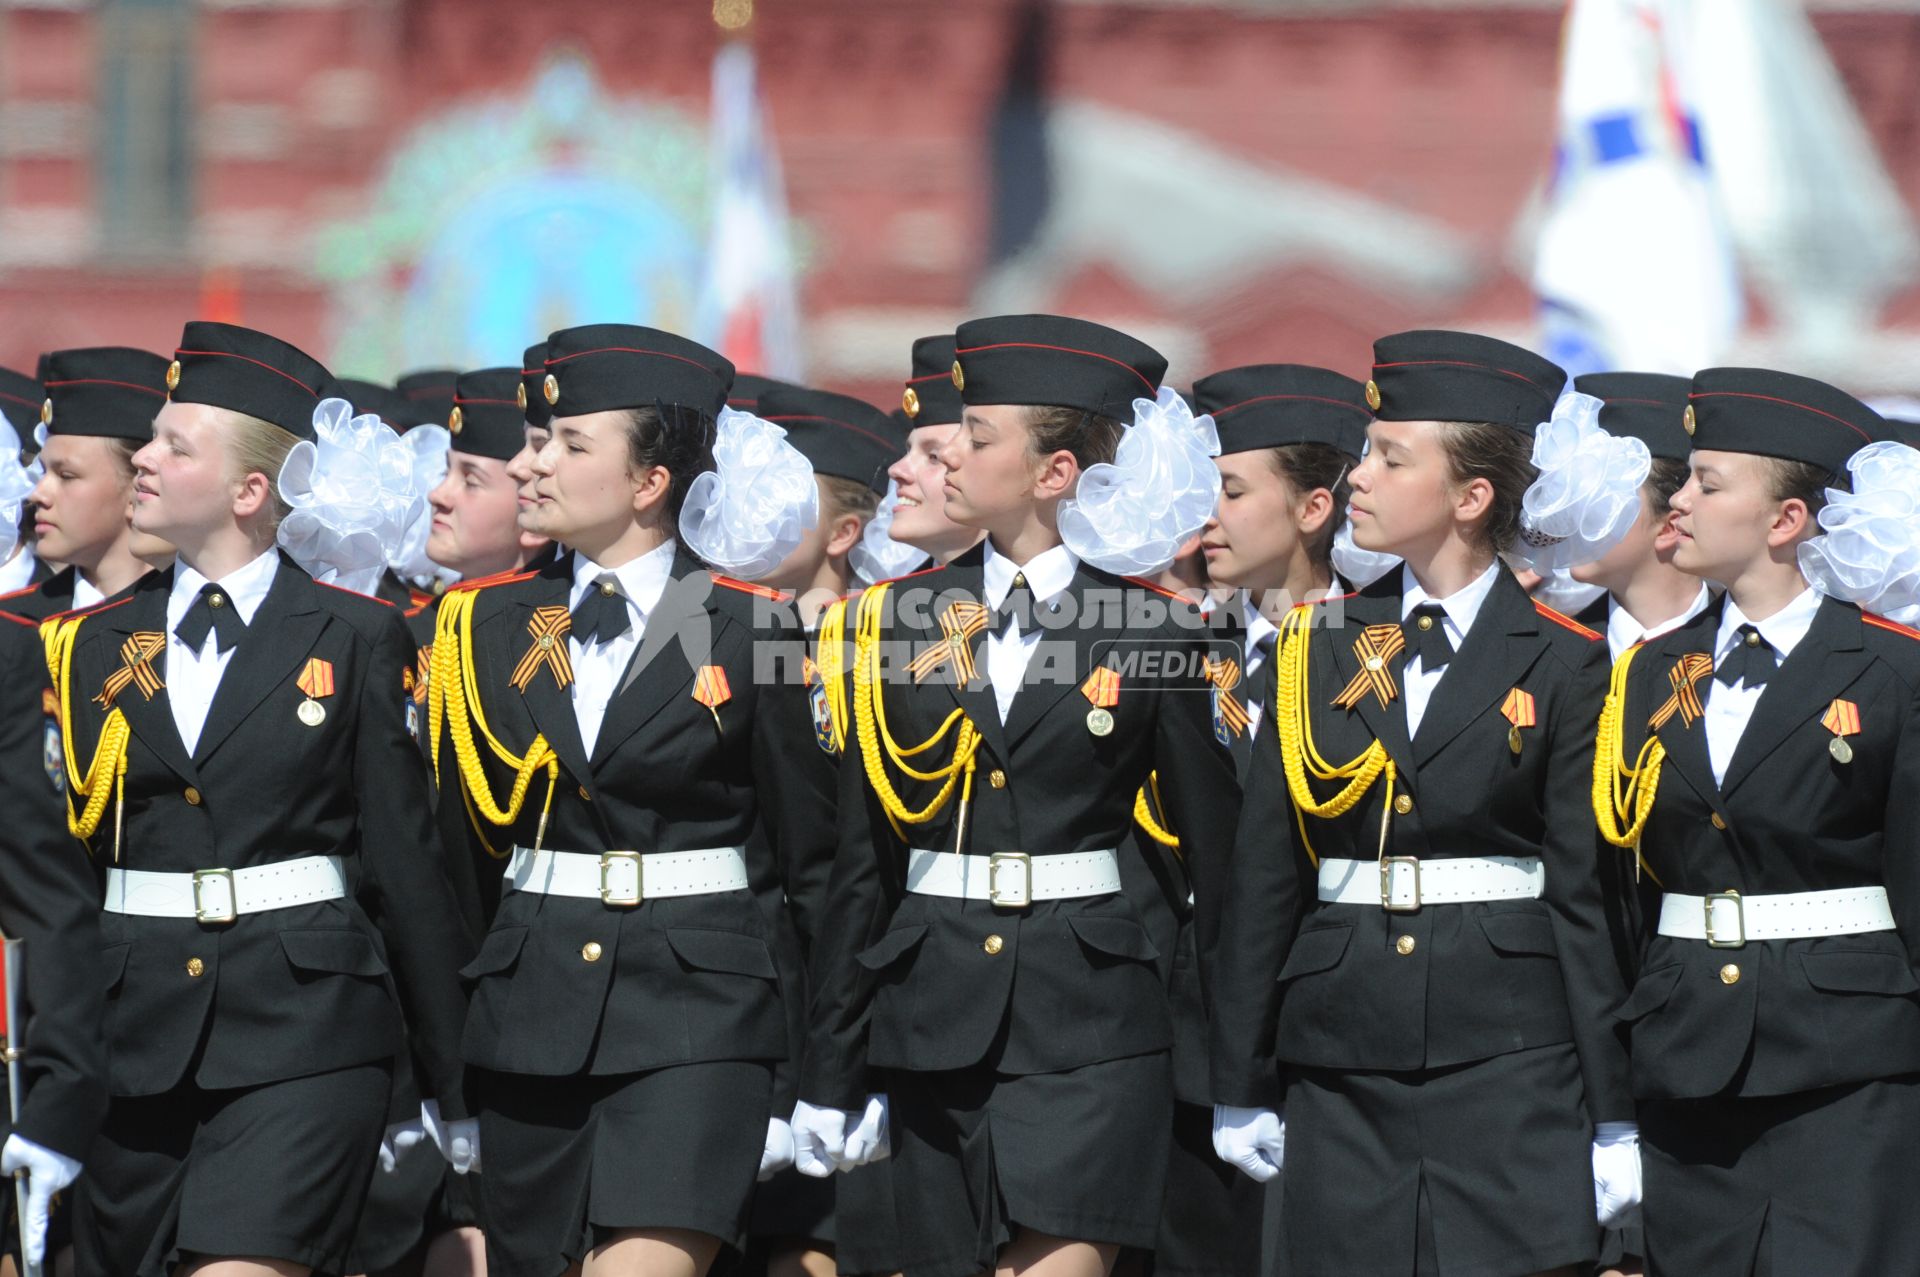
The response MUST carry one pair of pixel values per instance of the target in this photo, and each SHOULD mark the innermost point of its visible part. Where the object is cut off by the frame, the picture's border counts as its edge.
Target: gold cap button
(455, 420)
(1730, 974)
(591, 951)
(994, 944)
(1404, 945)
(1425, 622)
(997, 778)
(1403, 804)
(196, 968)
(1718, 821)
(192, 796)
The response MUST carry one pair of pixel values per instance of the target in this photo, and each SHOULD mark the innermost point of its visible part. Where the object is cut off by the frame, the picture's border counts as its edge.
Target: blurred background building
(398, 183)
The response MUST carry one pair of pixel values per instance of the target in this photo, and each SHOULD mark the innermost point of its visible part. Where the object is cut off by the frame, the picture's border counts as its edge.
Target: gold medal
(1513, 739)
(311, 712)
(1100, 722)
(1841, 751)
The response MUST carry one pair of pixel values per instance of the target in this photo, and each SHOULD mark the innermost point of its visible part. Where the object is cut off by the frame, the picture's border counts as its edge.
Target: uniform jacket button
(1404, 945)
(1730, 974)
(997, 778)
(196, 968)
(1403, 804)
(993, 944)
(192, 796)
(591, 951)
(1719, 822)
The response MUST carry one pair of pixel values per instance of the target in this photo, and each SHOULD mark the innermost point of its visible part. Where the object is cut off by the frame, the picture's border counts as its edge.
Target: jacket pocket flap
(890, 946)
(1316, 950)
(336, 951)
(113, 963)
(1650, 992)
(497, 952)
(1859, 972)
(1120, 937)
(1520, 933)
(709, 949)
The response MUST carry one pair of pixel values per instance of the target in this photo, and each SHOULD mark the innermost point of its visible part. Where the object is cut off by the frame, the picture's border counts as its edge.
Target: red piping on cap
(932, 376)
(227, 354)
(1244, 403)
(422, 392)
(629, 350)
(844, 425)
(28, 403)
(1741, 394)
(102, 381)
(504, 403)
(1065, 350)
(1461, 363)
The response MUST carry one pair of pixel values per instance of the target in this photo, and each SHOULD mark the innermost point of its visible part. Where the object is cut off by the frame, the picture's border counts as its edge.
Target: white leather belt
(626, 878)
(1013, 879)
(1727, 919)
(221, 895)
(1402, 884)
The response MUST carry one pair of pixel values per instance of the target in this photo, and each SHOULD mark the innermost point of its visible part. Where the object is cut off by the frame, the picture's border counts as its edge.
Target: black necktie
(1260, 673)
(601, 616)
(1427, 636)
(1018, 603)
(1752, 660)
(212, 610)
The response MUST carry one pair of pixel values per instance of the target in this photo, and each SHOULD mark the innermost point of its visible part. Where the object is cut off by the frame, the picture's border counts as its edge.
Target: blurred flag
(747, 309)
(1633, 267)
(1022, 171)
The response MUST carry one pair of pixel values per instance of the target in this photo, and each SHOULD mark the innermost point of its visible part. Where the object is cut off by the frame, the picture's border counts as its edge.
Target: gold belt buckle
(1022, 894)
(222, 916)
(621, 899)
(1387, 864)
(1739, 915)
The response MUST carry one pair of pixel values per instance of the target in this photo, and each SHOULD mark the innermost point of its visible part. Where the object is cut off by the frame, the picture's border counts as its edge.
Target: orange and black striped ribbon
(1102, 687)
(136, 655)
(316, 680)
(710, 686)
(549, 627)
(1224, 674)
(424, 663)
(1519, 708)
(1685, 701)
(960, 622)
(1842, 718)
(1376, 646)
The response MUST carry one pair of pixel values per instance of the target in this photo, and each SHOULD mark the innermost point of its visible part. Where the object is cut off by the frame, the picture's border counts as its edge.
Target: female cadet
(98, 411)
(1763, 764)
(933, 410)
(981, 951)
(618, 725)
(250, 1013)
(1414, 952)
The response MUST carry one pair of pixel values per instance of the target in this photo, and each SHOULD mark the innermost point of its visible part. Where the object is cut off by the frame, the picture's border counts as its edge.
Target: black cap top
(1776, 414)
(1646, 406)
(20, 399)
(429, 395)
(1052, 360)
(372, 398)
(485, 418)
(1271, 405)
(749, 388)
(603, 366)
(931, 398)
(841, 436)
(1903, 430)
(248, 372)
(533, 374)
(109, 391)
(1433, 375)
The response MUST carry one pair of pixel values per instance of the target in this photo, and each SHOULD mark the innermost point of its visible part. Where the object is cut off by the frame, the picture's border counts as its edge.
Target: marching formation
(622, 816)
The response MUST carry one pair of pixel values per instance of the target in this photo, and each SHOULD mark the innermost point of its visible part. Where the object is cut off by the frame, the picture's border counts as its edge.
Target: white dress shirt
(1262, 638)
(84, 593)
(193, 675)
(1728, 709)
(1623, 631)
(1461, 607)
(1011, 651)
(17, 572)
(598, 666)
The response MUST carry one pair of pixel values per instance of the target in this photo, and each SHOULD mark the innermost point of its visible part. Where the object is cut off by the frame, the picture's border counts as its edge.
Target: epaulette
(14, 594)
(92, 609)
(418, 608)
(371, 598)
(1564, 621)
(20, 620)
(1157, 588)
(417, 599)
(895, 580)
(1882, 623)
(748, 587)
(498, 578)
(1325, 599)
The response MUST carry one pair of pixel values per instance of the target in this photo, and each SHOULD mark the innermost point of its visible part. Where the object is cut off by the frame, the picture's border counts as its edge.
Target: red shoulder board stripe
(498, 578)
(418, 608)
(748, 587)
(20, 620)
(419, 598)
(1882, 623)
(356, 594)
(14, 594)
(892, 580)
(87, 611)
(1563, 620)
(1157, 588)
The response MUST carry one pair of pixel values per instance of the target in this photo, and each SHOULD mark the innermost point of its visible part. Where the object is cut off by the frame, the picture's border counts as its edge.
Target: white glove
(867, 1141)
(1255, 1140)
(820, 1138)
(1616, 1171)
(47, 1173)
(458, 1140)
(778, 1153)
(399, 1139)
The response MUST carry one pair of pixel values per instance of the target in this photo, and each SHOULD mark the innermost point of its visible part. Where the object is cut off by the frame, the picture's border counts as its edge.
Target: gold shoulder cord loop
(1621, 792)
(1293, 720)
(830, 660)
(109, 752)
(1143, 814)
(454, 699)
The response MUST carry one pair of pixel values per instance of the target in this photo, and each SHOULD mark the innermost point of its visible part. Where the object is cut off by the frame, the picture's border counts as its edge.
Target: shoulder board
(1565, 622)
(1157, 588)
(1323, 601)
(498, 578)
(19, 593)
(748, 587)
(19, 620)
(341, 589)
(94, 610)
(1882, 623)
(894, 580)
(418, 608)
(417, 599)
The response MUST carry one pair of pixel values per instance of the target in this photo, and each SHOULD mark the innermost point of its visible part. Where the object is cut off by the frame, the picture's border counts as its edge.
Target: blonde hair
(257, 446)
(849, 496)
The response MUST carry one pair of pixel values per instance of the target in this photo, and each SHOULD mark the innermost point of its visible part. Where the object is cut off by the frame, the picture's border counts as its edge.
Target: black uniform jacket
(46, 598)
(676, 980)
(921, 982)
(288, 992)
(50, 899)
(1790, 817)
(1353, 987)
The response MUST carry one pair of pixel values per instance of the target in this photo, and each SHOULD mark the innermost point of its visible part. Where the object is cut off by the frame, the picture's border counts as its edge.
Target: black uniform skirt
(570, 1161)
(1779, 1186)
(978, 1154)
(1211, 1223)
(1476, 1170)
(866, 1231)
(277, 1171)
